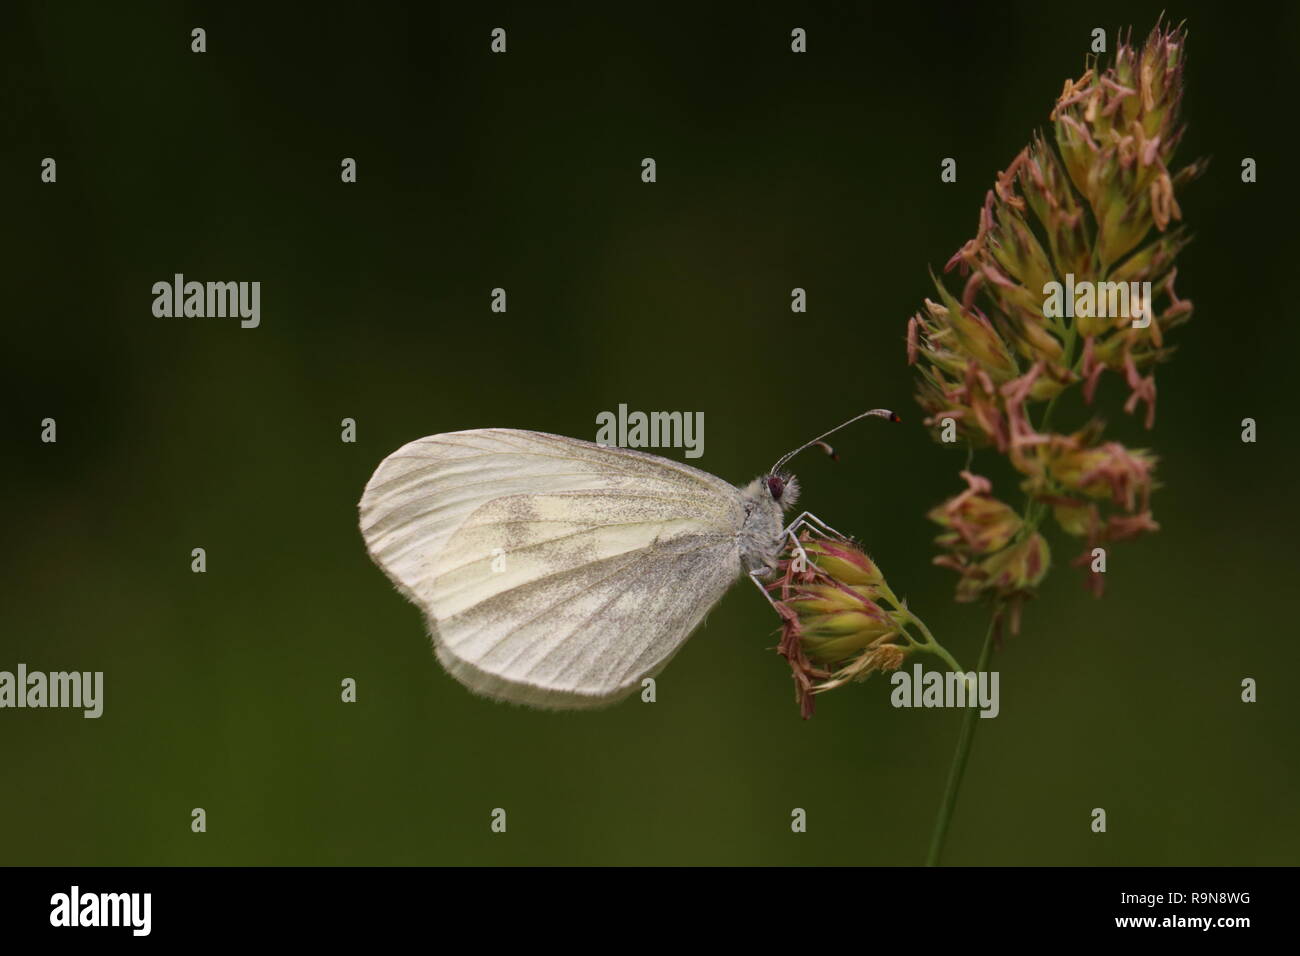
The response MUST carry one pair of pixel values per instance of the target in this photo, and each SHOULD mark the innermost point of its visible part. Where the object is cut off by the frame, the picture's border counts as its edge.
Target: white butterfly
(559, 573)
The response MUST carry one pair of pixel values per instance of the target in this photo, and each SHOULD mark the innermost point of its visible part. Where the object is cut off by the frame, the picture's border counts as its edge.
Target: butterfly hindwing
(553, 571)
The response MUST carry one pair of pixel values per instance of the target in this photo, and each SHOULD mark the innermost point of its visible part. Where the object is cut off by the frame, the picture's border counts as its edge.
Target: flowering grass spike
(840, 620)
(1070, 276)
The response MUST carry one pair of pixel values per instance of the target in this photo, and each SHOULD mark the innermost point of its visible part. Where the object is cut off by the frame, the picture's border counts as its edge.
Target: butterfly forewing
(553, 571)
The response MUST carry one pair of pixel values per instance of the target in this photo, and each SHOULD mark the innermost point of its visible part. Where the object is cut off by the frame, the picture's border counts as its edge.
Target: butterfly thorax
(760, 535)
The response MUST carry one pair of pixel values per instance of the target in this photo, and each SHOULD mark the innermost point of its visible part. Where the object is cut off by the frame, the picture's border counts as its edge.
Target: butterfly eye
(775, 487)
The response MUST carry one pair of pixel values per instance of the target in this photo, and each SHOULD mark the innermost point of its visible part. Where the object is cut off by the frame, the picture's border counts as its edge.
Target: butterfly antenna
(820, 439)
(831, 453)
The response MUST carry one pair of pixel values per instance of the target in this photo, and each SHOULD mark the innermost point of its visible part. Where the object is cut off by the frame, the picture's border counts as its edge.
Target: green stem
(928, 644)
(1035, 510)
(938, 650)
(958, 768)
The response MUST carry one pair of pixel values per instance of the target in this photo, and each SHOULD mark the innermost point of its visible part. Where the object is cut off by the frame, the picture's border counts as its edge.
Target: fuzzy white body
(760, 534)
(555, 572)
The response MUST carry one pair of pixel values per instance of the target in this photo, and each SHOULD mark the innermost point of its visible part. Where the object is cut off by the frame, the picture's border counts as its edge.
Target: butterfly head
(783, 488)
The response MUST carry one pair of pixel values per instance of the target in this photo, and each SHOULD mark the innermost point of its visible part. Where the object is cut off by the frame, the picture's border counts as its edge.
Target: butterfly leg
(803, 562)
(810, 520)
(753, 576)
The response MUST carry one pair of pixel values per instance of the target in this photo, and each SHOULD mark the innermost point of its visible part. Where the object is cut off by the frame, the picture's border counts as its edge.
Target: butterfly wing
(554, 572)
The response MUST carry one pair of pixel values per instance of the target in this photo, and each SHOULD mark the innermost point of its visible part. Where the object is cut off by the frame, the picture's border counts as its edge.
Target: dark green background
(522, 171)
